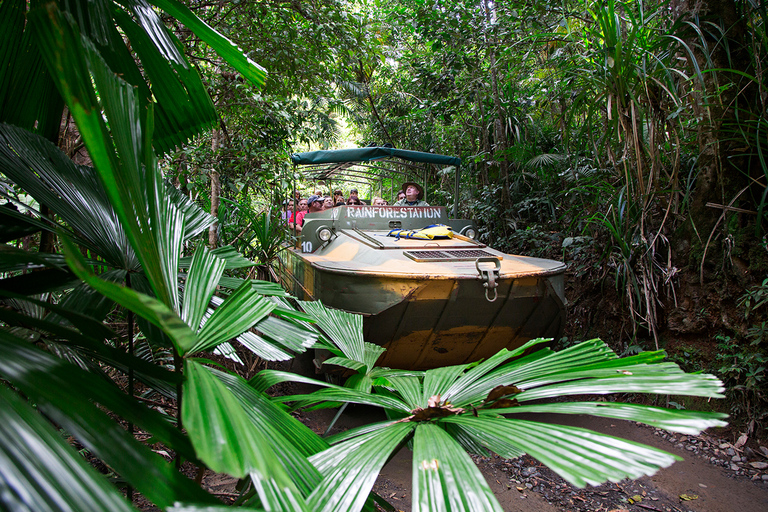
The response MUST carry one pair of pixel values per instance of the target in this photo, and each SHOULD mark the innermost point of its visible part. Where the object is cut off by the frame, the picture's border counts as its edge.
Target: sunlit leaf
(444, 477)
(39, 471)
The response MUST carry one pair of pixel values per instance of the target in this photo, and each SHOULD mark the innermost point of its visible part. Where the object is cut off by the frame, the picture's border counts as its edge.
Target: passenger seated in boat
(377, 201)
(298, 216)
(400, 195)
(314, 204)
(354, 201)
(413, 194)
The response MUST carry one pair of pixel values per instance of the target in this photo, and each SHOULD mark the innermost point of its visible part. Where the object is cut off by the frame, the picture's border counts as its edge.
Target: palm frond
(351, 469)
(40, 471)
(444, 477)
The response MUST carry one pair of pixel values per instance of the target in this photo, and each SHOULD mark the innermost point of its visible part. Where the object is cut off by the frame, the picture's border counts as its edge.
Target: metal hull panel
(436, 320)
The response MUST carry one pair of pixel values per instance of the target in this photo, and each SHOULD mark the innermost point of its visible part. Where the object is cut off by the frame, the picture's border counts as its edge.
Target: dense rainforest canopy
(628, 130)
(627, 139)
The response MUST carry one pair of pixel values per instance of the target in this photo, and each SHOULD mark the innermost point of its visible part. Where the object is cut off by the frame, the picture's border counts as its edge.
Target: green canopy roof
(370, 153)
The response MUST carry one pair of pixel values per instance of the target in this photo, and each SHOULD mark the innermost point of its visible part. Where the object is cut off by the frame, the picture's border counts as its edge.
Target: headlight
(471, 233)
(324, 234)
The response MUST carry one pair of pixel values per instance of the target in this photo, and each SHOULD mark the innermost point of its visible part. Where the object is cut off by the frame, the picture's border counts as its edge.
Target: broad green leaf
(469, 443)
(13, 259)
(476, 383)
(409, 388)
(148, 307)
(233, 260)
(68, 315)
(444, 477)
(577, 356)
(94, 347)
(15, 225)
(123, 157)
(183, 507)
(196, 220)
(346, 331)
(220, 430)
(28, 96)
(263, 287)
(268, 378)
(85, 302)
(184, 107)
(579, 456)
(200, 285)
(291, 440)
(357, 431)
(265, 379)
(278, 499)
(233, 55)
(263, 348)
(359, 382)
(659, 382)
(685, 422)
(48, 280)
(238, 312)
(68, 396)
(351, 468)
(73, 192)
(40, 472)
(228, 351)
(344, 363)
(438, 382)
(286, 334)
(645, 362)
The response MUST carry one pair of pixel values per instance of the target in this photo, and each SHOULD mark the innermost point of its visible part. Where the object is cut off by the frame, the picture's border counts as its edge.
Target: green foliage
(755, 300)
(123, 235)
(744, 370)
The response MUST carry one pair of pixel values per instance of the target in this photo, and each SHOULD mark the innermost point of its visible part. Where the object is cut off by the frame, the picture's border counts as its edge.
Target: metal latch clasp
(489, 276)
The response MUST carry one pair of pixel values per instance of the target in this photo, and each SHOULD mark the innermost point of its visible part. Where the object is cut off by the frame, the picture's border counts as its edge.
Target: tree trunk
(215, 191)
(498, 122)
(47, 239)
(720, 151)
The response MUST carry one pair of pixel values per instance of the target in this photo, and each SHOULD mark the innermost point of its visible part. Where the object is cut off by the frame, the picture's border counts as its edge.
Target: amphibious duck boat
(429, 302)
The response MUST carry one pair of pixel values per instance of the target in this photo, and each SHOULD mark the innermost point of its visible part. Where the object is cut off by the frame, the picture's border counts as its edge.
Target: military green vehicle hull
(430, 303)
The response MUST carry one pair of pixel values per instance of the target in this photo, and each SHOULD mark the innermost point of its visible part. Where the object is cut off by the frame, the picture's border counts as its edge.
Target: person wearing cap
(413, 195)
(353, 193)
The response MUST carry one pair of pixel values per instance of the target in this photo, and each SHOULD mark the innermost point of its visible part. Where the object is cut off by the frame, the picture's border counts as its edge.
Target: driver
(413, 194)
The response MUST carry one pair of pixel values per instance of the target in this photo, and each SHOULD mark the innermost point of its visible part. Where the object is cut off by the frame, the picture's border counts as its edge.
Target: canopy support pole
(456, 193)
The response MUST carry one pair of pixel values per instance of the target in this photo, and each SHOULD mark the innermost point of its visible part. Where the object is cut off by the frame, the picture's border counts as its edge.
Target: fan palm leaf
(475, 407)
(32, 452)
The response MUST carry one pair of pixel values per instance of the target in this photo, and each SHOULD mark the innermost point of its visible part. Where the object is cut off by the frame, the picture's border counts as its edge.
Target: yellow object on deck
(431, 232)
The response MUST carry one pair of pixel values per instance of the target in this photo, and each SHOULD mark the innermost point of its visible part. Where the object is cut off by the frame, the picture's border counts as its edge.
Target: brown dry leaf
(501, 391)
(435, 409)
(434, 401)
(504, 402)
